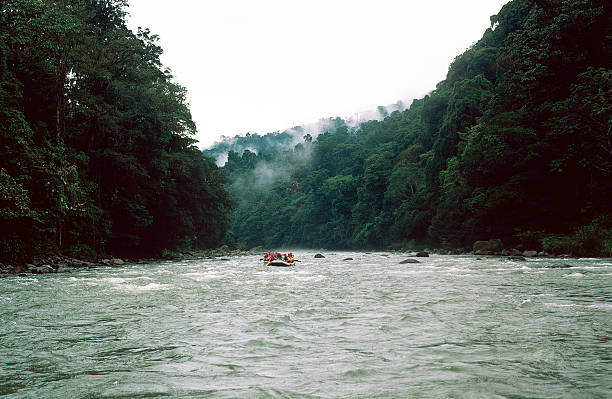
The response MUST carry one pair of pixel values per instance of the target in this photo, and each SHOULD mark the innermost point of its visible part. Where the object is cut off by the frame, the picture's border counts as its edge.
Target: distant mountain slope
(274, 142)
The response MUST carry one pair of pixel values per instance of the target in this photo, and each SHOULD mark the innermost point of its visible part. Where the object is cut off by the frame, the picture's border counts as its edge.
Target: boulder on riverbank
(42, 269)
(44, 264)
(489, 247)
(422, 254)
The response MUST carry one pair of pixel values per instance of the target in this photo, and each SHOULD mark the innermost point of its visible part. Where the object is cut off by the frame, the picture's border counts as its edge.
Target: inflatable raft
(279, 263)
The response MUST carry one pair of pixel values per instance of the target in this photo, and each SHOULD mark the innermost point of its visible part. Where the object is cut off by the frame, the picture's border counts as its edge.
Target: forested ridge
(96, 155)
(515, 144)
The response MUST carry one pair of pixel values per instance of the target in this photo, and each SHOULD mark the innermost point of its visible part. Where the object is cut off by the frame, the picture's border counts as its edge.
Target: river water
(448, 327)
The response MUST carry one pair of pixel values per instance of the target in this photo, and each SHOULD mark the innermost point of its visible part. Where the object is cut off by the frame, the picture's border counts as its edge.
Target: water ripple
(369, 328)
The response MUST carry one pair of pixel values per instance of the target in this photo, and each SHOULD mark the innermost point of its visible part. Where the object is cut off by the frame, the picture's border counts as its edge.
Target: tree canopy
(97, 154)
(513, 144)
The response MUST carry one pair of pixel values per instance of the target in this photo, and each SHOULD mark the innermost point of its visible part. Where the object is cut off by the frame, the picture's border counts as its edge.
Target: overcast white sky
(264, 65)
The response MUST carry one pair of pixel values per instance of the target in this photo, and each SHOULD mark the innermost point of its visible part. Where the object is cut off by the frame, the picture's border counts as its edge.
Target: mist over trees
(513, 144)
(96, 154)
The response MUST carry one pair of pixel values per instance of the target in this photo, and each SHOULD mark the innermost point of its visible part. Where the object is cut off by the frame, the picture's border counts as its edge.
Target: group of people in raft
(270, 256)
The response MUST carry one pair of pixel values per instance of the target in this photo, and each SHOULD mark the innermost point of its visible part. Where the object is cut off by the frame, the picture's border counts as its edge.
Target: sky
(261, 66)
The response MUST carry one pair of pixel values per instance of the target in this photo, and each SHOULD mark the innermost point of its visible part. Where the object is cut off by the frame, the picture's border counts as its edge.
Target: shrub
(559, 244)
(530, 240)
(594, 239)
(82, 251)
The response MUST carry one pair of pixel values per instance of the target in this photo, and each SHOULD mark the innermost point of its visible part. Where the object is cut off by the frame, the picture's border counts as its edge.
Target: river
(448, 327)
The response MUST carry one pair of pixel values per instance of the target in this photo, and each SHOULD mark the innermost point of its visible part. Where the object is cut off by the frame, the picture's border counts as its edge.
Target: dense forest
(96, 153)
(515, 144)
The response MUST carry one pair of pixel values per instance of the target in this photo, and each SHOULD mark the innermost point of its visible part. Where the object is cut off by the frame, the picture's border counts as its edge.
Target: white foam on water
(208, 276)
(575, 275)
(27, 280)
(601, 305)
(114, 280)
(562, 305)
(148, 287)
(580, 305)
(316, 277)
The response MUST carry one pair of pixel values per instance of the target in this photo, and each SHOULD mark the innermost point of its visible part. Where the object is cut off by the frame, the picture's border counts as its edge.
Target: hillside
(514, 145)
(271, 143)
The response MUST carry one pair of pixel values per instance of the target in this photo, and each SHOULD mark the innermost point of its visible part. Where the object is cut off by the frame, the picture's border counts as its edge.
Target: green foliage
(96, 153)
(593, 239)
(513, 144)
(82, 251)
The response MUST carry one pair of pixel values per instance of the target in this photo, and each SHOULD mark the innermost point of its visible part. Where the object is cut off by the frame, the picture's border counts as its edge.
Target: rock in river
(319, 256)
(559, 266)
(409, 261)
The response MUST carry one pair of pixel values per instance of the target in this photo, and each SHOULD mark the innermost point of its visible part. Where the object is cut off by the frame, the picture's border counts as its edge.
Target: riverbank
(58, 263)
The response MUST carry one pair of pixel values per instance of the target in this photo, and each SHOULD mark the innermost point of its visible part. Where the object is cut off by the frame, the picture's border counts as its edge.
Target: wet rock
(422, 254)
(559, 266)
(318, 256)
(456, 251)
(116, 262)
(515, 252)
(480, 246)
(517, 258)
(19, 269)
(489, 247)
(530, 254)
(44, 269)
(5, 269)
(409, 261)
(345, 259)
